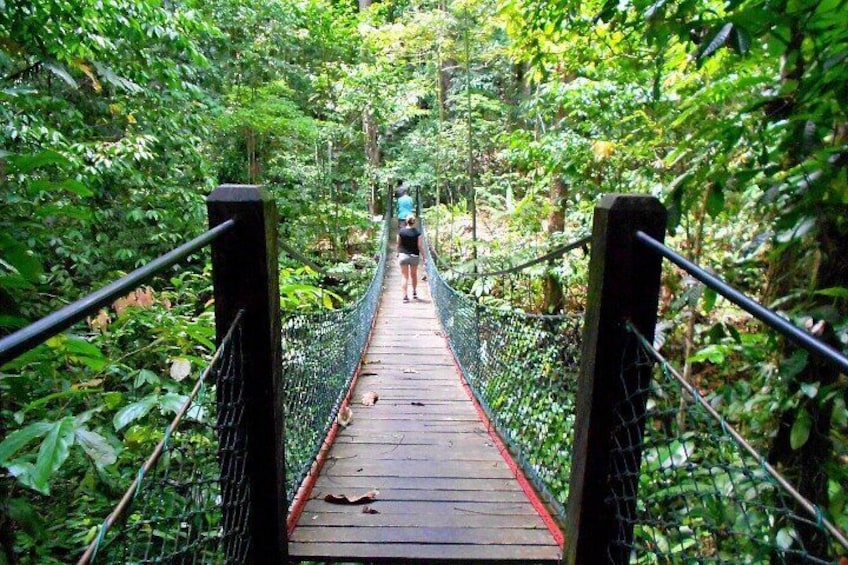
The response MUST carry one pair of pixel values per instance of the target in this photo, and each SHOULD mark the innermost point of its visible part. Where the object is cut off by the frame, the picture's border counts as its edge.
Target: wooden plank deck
(445, 492)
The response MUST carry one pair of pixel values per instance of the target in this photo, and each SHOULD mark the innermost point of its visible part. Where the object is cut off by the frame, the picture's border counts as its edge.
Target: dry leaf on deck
(410, 371)
(370, 398)
(369, 510)
(369, 496)
(345, 417)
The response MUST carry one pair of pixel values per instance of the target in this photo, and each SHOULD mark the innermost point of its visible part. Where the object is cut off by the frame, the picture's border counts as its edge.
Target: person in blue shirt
(405, 205)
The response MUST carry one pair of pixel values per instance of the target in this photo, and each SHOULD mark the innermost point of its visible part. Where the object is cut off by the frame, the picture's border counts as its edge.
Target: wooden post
(624, 284)
(245, 276)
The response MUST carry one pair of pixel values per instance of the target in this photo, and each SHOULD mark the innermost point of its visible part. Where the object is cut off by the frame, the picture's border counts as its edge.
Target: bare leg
(404, 272)
(414, 275)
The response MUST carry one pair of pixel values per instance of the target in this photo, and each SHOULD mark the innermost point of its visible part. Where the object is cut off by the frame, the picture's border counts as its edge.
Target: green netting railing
(704, 494)
(523, 371)
(321, 352)
(175, 512)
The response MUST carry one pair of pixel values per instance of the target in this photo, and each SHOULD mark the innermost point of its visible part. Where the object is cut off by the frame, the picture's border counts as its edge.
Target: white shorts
(405, 259)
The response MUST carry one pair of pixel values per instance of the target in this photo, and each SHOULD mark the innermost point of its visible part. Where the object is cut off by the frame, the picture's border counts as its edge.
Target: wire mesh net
(702, 497)
(523, 370)
(178, 515)
(321, 352)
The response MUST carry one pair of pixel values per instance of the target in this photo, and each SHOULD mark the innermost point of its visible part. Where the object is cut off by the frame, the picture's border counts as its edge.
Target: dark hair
(410, 220)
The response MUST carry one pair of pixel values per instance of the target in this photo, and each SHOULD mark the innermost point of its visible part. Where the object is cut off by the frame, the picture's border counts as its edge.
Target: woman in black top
(410, 252)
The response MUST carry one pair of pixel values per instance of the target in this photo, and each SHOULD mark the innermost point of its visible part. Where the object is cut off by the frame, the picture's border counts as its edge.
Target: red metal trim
(528, 489)
(302, 496)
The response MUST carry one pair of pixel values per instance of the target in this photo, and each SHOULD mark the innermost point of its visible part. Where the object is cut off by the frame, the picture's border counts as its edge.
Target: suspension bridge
(443, 431)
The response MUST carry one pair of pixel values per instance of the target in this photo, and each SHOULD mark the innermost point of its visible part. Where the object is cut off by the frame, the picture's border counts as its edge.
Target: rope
(134, 489)
(583, 242)
(814, 511)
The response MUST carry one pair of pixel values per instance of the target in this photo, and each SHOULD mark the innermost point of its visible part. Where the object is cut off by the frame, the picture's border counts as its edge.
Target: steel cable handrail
(133, 490)
(558, 252)
(798, 336)
(25, 339)
(814, 511)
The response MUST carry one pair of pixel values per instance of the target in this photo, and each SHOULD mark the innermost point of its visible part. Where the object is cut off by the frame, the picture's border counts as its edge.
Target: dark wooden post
(245, 276)
(624, 284)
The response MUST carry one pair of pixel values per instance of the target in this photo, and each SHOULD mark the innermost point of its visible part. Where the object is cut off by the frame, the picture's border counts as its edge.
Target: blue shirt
(404, 206)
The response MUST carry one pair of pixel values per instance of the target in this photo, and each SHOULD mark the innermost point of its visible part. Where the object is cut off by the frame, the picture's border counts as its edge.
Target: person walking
(405, 205)
(410, 253)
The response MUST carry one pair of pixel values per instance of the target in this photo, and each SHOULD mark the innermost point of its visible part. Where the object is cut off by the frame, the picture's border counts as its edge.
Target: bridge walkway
(444, 491)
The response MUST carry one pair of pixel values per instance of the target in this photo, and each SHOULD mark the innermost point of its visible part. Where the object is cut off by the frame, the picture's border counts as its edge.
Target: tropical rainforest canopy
(508, 119)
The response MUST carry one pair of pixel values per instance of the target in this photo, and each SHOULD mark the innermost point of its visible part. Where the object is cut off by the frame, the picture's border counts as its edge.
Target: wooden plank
(458, 452)
(381, 425)
(384, 494)
(431, 535)
(400, 553)
(397, 438)
(366, 520)
(434, 509)
(367, 483)
(411, 469)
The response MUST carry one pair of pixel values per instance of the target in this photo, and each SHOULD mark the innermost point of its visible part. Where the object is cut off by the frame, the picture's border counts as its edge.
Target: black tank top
(409, 240)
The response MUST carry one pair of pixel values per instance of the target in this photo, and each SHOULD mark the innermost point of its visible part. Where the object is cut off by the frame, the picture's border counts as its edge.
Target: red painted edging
(302, 496)
(537, 503)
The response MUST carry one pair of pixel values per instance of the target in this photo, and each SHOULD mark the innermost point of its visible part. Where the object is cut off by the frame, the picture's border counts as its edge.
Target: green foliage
(119, 116)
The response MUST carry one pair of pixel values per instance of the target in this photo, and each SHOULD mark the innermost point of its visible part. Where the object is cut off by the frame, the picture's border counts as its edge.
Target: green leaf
(62, 73)
(810, 389)
(716, 42)
(84, 352)
(70, 185)
(172, 402)
(20, 258)
(145, 376)
(739, 40)
(607, 10)
(654, 9)
(96, 447)
(712, 353)
(792, 367)
(18, 439)
(52, 453)
(28, 163)
(800, 432)
(710, 297)
(134, 411)
(715, 201)
(117, 81)
(785, 538)
(834, 292)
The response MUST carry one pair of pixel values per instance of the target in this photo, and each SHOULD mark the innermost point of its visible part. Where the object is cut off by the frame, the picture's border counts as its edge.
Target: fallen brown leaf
(345, 417)
(369, 496)
(370, 398)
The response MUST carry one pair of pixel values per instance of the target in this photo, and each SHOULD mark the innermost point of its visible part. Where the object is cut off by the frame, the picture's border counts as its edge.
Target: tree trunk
(372, 156)
(553, 298)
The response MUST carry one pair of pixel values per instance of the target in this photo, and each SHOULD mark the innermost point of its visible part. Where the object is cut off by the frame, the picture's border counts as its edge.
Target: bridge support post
(246, 277)
(624, 284)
